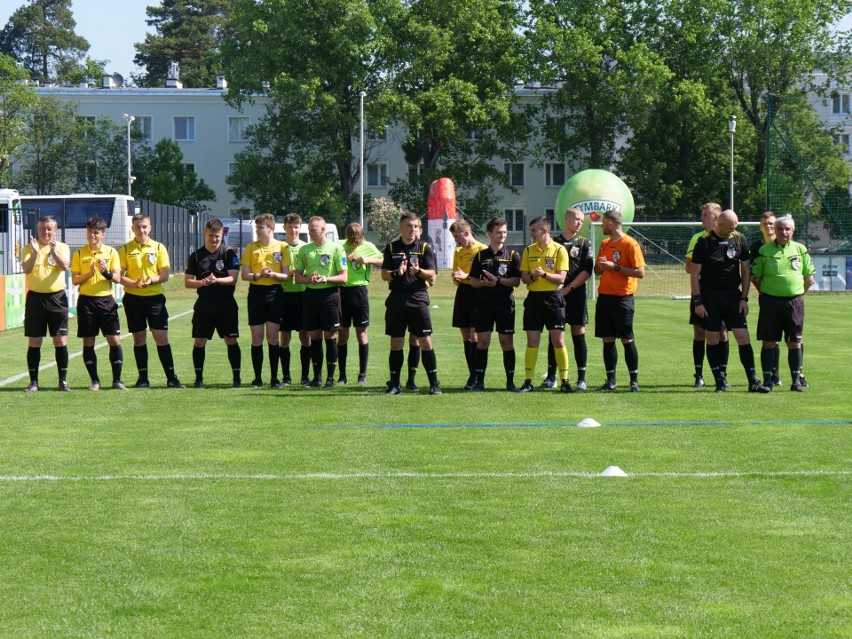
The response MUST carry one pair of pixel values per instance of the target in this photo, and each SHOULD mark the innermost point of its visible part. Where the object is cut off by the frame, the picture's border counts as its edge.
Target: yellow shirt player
(44, 261)
(465, 300)
(544, 265)
(94, 268)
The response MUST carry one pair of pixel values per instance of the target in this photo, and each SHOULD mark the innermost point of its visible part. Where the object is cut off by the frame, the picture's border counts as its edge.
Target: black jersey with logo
(419, 253)
(503, 263)
(720, 259)
(202, 263)
(580, 255)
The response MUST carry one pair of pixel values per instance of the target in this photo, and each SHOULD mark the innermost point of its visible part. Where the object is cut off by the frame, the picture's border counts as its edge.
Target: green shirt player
(294, 297)
(361, 256)
(321, 266)
(783, 273)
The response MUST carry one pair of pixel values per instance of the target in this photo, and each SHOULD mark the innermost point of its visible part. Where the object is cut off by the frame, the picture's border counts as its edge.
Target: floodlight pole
(361, 95)
(130, 120)
(732, 128)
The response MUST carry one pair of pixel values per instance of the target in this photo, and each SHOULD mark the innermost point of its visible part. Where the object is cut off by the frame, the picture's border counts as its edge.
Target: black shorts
(143, 312)
(576, 311)
(464, 306)
(487, 316)
(265, 304)
(354, 306)
(781, 317)
(321, 310)
(544, 309)
(46, 312)
(292, 316)
(220, 315)
(614, 316)
(97, 315)
(723, 309)
(408, 311)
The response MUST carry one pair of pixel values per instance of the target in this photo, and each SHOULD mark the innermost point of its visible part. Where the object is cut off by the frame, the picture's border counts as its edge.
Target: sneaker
(32, 387)
(312, 383)
(797, 388)
(526, 387)
(510, 386)
(343, 381)
(411, 386)
(329, 383)
(634, 387)
(757, 387)
(720, 386)
(775, 380)
(435, 389)
(470, 383)
(174, 382)
(119, 385)
(804, 382)
(699, 382)
(581, 386)
(362, 380)
(236, 383)
(566, 387)
(548, 383)
(393, 390)
(277, 384)
(286, 381)
(63, 387)
(608, 387)
(256, 383)
(141, 383)
(478, 386)
(96, 386)
(198, 384)
(305, 380)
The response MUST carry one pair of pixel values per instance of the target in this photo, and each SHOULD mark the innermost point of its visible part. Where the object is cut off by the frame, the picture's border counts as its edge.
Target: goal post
(664, 246)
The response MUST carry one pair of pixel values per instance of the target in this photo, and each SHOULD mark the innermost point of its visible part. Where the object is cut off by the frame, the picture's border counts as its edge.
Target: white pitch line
(410, 475)
(15, 378)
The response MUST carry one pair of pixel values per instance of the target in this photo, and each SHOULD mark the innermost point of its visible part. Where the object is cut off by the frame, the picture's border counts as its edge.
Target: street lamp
(130, 120)
(361, 95)
(732, 128)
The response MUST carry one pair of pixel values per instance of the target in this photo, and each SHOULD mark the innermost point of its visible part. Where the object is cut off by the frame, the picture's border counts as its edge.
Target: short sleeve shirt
(503, 263)
(138, 260)
(359, 274)
(463, 258)
(418, 252)
(782, 269)
(720, 259)
(692, 241)
(290, 285)
(553, 258)
(46, 276)
(274, 255)
(327, 260)
(202, 263)
(81, 263)
(580, 255)
(625, 252)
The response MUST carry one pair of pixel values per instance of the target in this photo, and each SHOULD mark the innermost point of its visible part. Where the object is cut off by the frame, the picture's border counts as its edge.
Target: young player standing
(465, 298)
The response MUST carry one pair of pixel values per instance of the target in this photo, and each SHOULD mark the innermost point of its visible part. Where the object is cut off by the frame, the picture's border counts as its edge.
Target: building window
(840, 104)
(550, 214)
(190, 166)
(377, 175)
(554, 128)
(515, 219)
(145, 124)
(554, 174)
(474, 135)
(376, 136)
(232, 168)
(185, 128)
(843, 140)
(514, 173)
(238, 129)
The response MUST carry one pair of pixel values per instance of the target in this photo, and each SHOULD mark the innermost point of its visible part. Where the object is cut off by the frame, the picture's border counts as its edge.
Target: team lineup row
(317, 289)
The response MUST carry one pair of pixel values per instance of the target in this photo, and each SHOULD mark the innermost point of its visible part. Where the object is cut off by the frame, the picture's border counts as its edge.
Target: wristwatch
(618, 267)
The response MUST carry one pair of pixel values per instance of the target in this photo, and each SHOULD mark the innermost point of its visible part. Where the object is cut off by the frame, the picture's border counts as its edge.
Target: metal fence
(179, 229)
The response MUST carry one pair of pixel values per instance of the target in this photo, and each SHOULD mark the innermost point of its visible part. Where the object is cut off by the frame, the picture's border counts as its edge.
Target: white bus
(73, 211)
(13, 237)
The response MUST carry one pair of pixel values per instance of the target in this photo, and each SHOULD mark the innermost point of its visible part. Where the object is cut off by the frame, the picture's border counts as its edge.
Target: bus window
(78, 212)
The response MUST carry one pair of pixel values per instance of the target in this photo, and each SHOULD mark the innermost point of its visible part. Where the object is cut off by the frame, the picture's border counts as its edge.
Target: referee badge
(414, 259)
(324, 260)
(795, 263)
(732, 252)
(276, 257)
(549, 263)
(152, 258)
(575, 251)
(220, 265)
(502, 270)
(616, 256)
(51, 260)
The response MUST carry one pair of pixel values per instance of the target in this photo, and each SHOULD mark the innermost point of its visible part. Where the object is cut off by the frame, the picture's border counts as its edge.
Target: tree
(162, 176)
(102, 156)
(384, 218)
(16, 99)
(188, 32)
(41, 36)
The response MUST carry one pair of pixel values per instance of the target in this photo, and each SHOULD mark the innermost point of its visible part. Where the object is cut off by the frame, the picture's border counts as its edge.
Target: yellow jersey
(138, 260)
(553, 258)
(97, 285)
(463, 259)
(275, 255)
(46, 276)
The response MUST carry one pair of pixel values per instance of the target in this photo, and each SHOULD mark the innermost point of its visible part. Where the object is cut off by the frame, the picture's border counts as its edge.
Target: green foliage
(187, 32)
(162, 176)
(16, 100)
(41, 35)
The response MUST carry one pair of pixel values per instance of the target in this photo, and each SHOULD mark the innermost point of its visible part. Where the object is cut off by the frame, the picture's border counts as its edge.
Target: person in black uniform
(212, 270)
(408, 264)
(495, 273)
(581, 262)
(720, 279)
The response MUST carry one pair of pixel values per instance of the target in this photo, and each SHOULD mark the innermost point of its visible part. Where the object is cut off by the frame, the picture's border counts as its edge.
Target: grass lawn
(344, 513)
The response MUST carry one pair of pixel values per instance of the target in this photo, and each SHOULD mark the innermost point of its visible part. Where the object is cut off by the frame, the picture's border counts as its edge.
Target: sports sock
(395, 362)
(257, 360)
(610, 357)
(331, 355)
(530, 357)
(767, 361)
(316, 357)
(284, 357)
(62, 362)
(430, 363)
(714, 359)
(363, 358)
(164, 353)
(776, 364)
(747, 360)
(725, 350)
(509, 365)
(413, 361)
(33, 360)
(561, 354)
(470, 356)
(480, 364)
(116, 361)
(235, 359)
(698, 356)
(273, 357)
(581, 355)
(342, 354)
(631, 358)
(140, 354)
(90, 360)
(551, 361)
(794, 360)
(305, 359)
(198, 353)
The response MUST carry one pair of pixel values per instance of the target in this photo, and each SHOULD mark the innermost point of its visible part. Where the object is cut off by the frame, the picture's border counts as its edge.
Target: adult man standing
(361, 255)
(581, 262)
(145, 268)
(408, 265)
(720, 278)
(44, 261)
(620, 265)
(212, 270)
(495, 272)
(544, 266)
(265, 265)
(465, 298)
(294, 297)
(709, 214)
(321, 266)
(783, 274)
(93, 268)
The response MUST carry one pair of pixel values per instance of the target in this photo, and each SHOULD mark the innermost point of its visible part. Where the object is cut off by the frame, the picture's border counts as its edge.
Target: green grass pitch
(221, 512)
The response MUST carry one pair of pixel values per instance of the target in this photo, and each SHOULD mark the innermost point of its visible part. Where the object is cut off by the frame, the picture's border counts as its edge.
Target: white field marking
(15, 378)
(412, 475)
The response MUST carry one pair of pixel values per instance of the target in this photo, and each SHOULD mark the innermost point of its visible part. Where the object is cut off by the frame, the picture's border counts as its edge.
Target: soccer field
(344, 513)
